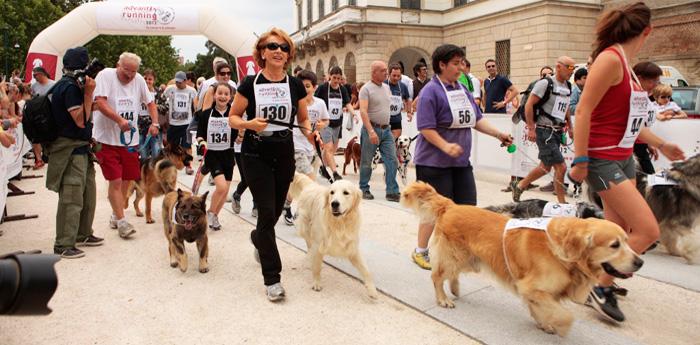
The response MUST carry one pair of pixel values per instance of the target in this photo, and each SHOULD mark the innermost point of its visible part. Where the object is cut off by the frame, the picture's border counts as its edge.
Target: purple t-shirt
(434, 113)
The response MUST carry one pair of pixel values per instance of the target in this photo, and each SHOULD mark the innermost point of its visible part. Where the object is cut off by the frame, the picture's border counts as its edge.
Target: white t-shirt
(125, 100)
(206, 85)
(670, 105)
(180, 101)
(317, 111)
(477, 86)
(144, 107)
(406, 80)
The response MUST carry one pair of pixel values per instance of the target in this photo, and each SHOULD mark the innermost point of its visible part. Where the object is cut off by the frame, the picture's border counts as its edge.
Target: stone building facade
(522, 35)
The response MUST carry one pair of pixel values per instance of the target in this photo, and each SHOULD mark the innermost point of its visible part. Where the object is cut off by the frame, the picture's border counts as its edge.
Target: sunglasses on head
(225, 73)
(274, 46)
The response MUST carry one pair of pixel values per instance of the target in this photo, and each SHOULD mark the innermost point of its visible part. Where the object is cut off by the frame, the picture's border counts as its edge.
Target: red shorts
(118, 163)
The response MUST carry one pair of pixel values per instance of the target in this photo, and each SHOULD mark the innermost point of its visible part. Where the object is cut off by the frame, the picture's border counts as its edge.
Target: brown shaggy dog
(158, 177)
(352, 154)
(543, 267)
(184, 219)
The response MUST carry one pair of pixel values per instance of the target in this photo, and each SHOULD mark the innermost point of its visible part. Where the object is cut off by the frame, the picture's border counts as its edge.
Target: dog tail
(298, 184)
(425, 201)
(506, 209)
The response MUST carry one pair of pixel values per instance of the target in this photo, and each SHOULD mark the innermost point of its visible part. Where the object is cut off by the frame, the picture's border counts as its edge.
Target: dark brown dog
(158, 177)
(184, 219)
(352, 153)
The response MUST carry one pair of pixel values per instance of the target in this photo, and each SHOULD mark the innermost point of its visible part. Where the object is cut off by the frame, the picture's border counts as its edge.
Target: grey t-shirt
(540, 88)
(379, 99)
(41, 90)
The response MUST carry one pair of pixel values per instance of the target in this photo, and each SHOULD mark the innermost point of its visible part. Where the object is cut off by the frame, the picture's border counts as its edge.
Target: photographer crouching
(71, 172)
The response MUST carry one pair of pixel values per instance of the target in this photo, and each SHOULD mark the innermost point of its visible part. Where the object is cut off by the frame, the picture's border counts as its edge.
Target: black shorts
(395, 122)
(220, 162)
(548, 144)
(455, 183)
(177, 135)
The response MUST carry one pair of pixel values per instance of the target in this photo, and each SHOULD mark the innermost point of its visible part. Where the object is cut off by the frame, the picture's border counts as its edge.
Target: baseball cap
(41, 70)
(75, 58)
(180, 76)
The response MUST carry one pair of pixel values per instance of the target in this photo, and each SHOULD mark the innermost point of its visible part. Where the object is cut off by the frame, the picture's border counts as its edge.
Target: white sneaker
(125, 228)
(213, 221)
(113, 222)
(275, 292)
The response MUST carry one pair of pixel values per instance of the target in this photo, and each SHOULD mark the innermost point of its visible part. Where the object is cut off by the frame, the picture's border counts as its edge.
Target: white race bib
(660, 179)
(396, 103)
(638, 117)
(561, 104)
(127, 108)
(335, 105)
(555, 209)
(218, 134)
(273, 102)
(531, 223)
(463, 115)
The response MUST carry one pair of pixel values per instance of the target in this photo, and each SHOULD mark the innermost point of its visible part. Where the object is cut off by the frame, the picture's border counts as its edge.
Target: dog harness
(530, 223)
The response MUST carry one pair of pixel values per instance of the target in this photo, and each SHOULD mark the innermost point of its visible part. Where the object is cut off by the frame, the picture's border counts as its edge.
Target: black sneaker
(69, 253)
(91, 241)
(603, 300)
(367, 195)
(393, 197)
(516, 191)
(336, 176)
(323, 172)
(288, 217)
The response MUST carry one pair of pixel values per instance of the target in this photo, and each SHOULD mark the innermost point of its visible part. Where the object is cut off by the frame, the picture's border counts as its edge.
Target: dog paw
(446, 303)
(139, 214)
(203, 269)
(173, 264)
(316, 287)
(372, 292)
(547, 329)
(150, 221)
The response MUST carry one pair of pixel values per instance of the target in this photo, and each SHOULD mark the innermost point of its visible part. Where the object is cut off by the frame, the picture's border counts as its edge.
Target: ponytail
(621, 25)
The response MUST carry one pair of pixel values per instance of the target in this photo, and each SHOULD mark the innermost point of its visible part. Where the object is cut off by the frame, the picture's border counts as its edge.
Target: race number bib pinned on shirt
(335, 105)
(180, 113)
(531, 223)
(463, 115)
(273, 102)
(561, 104)
(218, 133)
(639, 110)
(555, 209)
(660, 179)
(127, 108)
(395, 105)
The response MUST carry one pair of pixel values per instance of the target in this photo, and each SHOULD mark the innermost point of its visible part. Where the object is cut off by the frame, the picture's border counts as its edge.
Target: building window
(410, 4)
(352, 2)
(299, 13)
(309, 12)
(503, 57)
(334, 5)
(321, 9)
(460, 2)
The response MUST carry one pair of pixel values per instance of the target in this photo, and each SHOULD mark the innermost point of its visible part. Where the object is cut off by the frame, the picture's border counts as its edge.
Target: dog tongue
(188, 225)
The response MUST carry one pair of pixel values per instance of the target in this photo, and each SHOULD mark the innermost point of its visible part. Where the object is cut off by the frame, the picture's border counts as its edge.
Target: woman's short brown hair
(260, 46)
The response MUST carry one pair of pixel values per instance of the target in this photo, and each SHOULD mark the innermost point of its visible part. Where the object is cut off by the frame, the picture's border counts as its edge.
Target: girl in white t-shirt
(666, 109)
(304, 151)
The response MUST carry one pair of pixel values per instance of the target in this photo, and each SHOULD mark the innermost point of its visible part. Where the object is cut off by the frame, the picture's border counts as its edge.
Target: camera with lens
(27, 283)
(91, 70)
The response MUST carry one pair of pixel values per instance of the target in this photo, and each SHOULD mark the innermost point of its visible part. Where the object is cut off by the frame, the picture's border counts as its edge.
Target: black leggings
(456, 183)
(268, 167)
(642, 153)
(242, 185)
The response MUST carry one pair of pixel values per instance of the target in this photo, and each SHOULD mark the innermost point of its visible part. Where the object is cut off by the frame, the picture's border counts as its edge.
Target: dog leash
(122, 139)
(317, 145)
(198, 176)
(577, 184)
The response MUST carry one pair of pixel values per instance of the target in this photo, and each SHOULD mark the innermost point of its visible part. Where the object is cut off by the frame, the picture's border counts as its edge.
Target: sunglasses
(225, 73)
(569, 67)
(665, 97)
(274, 46)
(491, 66)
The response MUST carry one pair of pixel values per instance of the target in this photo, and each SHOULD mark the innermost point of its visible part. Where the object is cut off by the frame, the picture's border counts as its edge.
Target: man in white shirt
(181, 100)
(118, 94)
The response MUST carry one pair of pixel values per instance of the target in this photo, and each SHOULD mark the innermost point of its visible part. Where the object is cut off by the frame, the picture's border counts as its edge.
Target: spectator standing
(448, 114)
(119, 93)
(495, 87)
(375, 102)
(470, 81)
(580, 77)
(42, 83)
(71, 173)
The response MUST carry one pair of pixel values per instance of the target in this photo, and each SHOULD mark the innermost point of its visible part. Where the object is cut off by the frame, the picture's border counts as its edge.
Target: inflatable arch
(108, 18)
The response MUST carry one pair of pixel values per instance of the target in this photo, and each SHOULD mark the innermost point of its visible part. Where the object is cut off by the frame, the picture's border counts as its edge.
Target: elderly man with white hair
(118, 94)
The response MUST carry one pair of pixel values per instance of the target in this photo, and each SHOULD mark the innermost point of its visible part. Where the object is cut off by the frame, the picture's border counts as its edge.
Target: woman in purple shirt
(447, 115)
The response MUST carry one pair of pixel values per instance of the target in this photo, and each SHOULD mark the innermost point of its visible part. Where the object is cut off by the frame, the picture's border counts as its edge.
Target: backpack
(38, 121)
(519, 114)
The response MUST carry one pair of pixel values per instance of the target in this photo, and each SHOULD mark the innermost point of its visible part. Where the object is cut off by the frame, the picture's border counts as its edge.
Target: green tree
(203, 62)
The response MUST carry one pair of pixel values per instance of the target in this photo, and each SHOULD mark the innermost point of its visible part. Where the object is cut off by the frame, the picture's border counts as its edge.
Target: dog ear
(180, 194)
(204, 201)
(573, 238)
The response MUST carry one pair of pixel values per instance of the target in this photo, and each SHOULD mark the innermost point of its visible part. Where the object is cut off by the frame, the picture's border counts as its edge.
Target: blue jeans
(152, 149)
(387, 149)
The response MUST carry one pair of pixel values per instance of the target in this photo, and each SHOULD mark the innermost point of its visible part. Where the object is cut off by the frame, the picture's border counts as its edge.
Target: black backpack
(519, 114)
(38, 122)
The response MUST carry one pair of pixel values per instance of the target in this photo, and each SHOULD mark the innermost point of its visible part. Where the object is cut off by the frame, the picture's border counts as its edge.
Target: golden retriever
(543, 267)
(329, 220)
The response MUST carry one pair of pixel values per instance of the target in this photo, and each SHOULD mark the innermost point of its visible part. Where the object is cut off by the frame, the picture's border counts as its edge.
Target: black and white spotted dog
(533, 208)
(403, 144)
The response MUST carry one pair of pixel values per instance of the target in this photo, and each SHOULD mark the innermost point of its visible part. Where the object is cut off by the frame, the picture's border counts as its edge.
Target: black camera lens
(27, 283)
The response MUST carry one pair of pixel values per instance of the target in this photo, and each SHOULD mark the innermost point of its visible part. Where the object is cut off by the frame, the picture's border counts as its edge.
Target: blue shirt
(397, 90)
(434, 113)
(496, 92)
(573, 101)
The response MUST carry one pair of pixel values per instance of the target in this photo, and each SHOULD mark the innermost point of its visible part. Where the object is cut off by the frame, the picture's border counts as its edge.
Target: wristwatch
(157, 125)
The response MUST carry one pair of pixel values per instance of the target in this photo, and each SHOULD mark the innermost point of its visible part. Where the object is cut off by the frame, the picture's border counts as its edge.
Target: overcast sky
(260, 14)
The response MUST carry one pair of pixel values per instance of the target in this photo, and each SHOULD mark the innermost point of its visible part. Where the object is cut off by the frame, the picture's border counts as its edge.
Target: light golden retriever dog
(329, 220)
(561, 263)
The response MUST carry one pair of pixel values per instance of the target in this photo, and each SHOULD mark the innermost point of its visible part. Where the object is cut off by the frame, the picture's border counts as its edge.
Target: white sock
(421, 250)
(121, 222)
